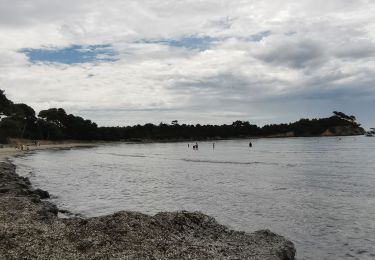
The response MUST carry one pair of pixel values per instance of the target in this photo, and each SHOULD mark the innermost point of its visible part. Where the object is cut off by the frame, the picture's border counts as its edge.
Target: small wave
(280, 188)
(125, 155)
(227, 162)
(341, 162)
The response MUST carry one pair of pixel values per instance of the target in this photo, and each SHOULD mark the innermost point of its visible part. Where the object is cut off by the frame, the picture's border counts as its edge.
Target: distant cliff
(343, 130)
(346, 130)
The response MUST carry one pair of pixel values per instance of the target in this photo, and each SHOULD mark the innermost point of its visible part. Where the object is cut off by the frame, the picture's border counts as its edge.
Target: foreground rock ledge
(30, 229)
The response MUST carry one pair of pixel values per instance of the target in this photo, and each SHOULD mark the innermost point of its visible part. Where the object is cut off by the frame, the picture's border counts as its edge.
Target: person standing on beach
(250, 144)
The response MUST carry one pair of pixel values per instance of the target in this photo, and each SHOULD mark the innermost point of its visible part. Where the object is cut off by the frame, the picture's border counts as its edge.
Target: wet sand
(8, 152)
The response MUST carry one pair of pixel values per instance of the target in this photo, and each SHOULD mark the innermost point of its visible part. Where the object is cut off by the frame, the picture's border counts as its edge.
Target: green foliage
(60, 125)
(5, 104)
(19, 120)
(9, 128)
(55, 116)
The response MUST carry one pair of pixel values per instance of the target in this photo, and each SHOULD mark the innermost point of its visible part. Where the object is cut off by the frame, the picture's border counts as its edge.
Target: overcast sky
(210, 61)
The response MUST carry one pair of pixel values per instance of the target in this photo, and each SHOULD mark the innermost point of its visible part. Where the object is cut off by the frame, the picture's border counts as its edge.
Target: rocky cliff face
(344, 131)
(31, 229)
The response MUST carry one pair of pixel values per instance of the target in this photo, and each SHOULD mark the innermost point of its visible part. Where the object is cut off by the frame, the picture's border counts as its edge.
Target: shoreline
(30, 228)
(146, 141)
(8, 152)
(11, 151)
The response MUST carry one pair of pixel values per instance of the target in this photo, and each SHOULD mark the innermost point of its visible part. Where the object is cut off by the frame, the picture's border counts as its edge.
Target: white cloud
(268, 59)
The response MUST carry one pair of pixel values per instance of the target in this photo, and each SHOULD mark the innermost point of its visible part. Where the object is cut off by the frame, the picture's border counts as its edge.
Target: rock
(347, 130)
(4, 190)
(31, 229)
(26, 180)
(50, 208)
(42, 193)
(84, 245)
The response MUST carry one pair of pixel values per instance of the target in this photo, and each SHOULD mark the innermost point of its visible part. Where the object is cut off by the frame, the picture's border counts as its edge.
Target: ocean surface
(318, 192)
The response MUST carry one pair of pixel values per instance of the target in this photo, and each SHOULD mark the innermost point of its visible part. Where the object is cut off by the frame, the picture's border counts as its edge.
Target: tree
(240, 123)
(5, 104)
(9, 128)
(56, 116)
(343, 116)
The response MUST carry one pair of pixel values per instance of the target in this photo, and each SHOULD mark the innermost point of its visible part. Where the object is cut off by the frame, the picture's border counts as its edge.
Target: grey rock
(31, 229)
(42, 193)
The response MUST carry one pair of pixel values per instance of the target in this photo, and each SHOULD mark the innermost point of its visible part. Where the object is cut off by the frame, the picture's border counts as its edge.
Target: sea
(317, 192)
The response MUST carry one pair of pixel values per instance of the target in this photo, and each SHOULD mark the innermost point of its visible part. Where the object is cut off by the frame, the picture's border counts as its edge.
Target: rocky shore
(31, 229)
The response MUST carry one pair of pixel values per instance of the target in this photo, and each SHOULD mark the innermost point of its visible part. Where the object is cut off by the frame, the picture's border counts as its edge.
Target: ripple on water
(316, 191)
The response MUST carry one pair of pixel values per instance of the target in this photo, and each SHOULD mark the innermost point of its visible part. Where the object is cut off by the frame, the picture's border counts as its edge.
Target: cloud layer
(195, 61)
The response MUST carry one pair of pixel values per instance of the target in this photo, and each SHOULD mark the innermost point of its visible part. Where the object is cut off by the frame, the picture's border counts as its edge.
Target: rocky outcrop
(31, 229)
(346, 130)
(287, 134)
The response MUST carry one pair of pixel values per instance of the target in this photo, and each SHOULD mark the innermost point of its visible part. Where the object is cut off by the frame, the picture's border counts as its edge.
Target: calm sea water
(318, 192)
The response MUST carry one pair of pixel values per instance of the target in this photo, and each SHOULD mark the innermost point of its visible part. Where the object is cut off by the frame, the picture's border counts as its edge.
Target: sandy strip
(11, 151)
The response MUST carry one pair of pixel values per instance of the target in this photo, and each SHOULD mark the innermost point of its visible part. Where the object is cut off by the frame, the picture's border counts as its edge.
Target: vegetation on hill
(20, 121)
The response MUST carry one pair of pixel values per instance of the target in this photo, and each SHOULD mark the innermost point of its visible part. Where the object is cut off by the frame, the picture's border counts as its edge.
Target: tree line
(21, 121)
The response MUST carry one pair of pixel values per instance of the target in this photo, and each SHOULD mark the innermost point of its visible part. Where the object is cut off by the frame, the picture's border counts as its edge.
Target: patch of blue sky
(200, 43)
(72, 55)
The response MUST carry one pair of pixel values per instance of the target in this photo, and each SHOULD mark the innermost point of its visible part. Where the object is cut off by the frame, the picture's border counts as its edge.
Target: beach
(9, 151)
(30, 228)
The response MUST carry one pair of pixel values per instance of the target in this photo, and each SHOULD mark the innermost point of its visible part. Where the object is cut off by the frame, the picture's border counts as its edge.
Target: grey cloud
(363, 91)
(259, 60)
(259, 36)
(293, 54)
(225, 90)
(356, 50)
(223, 23)
(27, 13)
(222, 82)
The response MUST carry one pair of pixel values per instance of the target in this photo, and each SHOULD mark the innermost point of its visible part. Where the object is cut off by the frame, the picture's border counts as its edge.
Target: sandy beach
(8, 152)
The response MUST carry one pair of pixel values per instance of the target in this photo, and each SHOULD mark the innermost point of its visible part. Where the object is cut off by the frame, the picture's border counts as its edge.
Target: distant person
(250, 144)
(213, 145)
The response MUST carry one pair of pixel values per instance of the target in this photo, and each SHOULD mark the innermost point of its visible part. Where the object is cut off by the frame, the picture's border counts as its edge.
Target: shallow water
(318, 192)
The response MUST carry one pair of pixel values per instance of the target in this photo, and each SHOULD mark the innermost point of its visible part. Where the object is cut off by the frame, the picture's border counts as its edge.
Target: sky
(209, 61)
